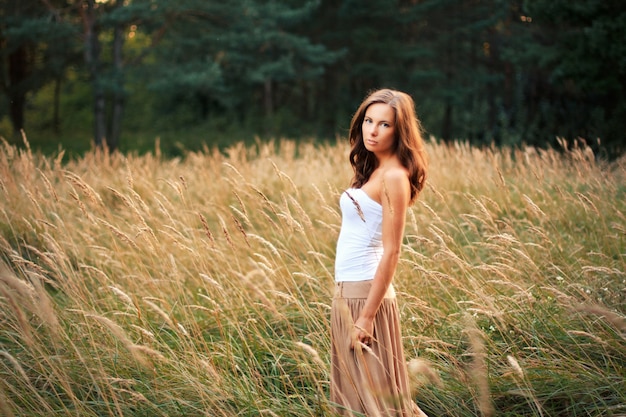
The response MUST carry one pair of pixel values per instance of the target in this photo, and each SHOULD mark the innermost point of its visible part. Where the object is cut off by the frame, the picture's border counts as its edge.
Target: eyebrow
(383, 121)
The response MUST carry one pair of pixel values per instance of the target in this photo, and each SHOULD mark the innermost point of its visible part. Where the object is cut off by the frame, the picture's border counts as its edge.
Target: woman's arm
(395, 196)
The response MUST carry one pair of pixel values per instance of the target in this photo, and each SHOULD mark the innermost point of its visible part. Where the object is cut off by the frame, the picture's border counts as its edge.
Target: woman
(369, 373)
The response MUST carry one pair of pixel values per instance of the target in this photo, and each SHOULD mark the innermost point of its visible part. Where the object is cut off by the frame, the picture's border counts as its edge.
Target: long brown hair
(409, 146)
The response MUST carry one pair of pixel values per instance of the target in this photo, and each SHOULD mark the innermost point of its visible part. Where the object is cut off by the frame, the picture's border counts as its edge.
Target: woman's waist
(359, 289)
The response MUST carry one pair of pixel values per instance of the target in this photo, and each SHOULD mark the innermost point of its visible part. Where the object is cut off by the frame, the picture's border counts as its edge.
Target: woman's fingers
(362, 337)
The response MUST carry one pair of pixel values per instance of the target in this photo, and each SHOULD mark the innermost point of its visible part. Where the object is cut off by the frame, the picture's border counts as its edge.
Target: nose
(373, 130)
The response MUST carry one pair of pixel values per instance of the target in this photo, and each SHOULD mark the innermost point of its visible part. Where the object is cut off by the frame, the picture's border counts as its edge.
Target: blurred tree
(436, 50)
(42, 38)
(235, 56)
(575, 70)
(488, 71)
(105, 24)
(463, 68)
(36, 49)
(377, 50)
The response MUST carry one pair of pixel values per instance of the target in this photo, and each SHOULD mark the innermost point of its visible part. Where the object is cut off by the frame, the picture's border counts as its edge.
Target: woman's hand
(362, 332)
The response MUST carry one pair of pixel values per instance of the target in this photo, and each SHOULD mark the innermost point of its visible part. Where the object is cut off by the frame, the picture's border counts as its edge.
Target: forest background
(194, 72)
(141, 283)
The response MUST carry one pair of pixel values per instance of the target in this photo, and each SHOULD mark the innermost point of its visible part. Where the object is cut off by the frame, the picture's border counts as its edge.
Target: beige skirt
(368, 380)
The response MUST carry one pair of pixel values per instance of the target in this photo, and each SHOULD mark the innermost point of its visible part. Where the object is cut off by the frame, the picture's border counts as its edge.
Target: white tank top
(359, 246)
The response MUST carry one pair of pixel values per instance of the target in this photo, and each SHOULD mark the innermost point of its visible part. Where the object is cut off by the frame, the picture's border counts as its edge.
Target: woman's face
(378, 128)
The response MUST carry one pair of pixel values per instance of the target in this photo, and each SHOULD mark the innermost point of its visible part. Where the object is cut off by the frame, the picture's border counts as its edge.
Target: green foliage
(504, 72)
(580, 70)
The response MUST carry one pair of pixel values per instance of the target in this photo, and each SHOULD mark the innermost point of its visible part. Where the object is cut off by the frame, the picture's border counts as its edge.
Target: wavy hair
(408, 143)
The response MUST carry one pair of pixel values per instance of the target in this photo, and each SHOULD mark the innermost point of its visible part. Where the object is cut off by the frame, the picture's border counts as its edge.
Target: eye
(367, 121)
(386, 125)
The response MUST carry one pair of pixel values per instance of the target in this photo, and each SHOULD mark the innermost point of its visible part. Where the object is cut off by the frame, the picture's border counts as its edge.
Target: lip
(370, 142)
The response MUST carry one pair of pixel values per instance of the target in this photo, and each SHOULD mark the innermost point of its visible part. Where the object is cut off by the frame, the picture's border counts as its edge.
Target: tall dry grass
(138, 285)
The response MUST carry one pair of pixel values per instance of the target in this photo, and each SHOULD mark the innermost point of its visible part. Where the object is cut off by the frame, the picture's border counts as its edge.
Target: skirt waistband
(358, 289)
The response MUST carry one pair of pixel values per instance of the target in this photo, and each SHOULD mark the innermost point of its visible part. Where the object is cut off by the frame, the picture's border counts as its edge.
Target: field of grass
(145, 286)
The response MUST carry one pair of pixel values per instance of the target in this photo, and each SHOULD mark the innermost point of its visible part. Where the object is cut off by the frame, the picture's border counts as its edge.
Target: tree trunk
(449, 64)
(269, 100)
(118, 95)
(92, 59)
(18, 71)
(446, 128)
(99, 113)
(56, 118)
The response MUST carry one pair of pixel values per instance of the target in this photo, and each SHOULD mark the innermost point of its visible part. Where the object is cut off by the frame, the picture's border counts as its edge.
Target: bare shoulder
(396, 177)
(396, 183)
